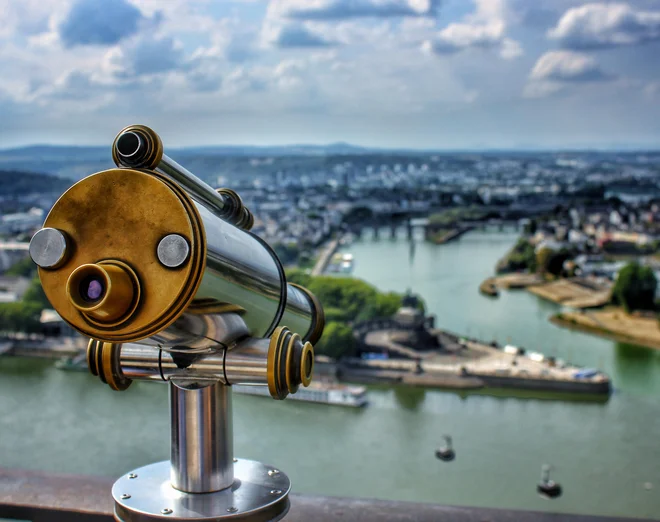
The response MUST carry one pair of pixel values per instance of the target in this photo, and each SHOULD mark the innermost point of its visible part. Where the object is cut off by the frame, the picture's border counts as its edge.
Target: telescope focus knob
(290, 363)
(236, 212)
(103, 362)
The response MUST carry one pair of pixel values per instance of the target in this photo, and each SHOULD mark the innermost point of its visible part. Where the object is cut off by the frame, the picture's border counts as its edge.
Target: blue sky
(440, 74)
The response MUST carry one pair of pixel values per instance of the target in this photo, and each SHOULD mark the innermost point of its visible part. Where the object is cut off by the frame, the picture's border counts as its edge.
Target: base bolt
(235, 460)
(125, 496)
(275, 491)
(272, 472)
(166, 511)
(132, 475)
(232, 509)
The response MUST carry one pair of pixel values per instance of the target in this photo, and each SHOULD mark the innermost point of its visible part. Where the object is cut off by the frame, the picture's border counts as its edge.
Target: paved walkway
(324, 258)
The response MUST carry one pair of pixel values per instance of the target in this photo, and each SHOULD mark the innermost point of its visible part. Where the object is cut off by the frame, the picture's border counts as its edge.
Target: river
(604, 454)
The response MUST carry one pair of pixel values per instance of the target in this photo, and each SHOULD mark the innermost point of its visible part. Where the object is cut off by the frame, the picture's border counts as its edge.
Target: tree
(20, 317)
(543, 258)
(387, 304)
(35, 295)
(337, 340)
(635, 288)
(531, 227)
(23, 316)
(346, 300)
(550, 261)
(25, 267)
(522, 256)
(298, 277)
(287, 252)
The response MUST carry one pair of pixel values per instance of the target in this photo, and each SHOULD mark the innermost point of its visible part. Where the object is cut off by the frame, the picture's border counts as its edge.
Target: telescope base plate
(259, 494)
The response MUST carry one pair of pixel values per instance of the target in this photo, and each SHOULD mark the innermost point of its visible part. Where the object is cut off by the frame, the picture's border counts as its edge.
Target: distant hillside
(275, 150)
(67, 162)
(207, 162)
(14, 182)
(233, 161)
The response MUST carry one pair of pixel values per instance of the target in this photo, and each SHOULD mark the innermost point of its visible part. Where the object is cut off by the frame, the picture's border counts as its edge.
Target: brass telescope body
(151, 256)
(163, 274)
(114, 221)
(148, 253)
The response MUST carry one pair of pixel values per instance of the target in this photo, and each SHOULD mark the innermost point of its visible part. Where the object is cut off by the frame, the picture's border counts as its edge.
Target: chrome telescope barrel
(139, 147)
(130, 255)
(163, 274)
(283, 363)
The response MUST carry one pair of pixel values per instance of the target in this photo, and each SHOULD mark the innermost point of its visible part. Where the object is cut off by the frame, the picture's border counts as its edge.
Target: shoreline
(476, 365)
(511, 281)
(46, 349)
(472, 382)
(450, 235)
(488, 287)
(563, 322)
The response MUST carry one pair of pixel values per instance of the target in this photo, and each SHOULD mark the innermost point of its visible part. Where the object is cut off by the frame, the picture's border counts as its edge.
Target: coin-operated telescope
(165, 277)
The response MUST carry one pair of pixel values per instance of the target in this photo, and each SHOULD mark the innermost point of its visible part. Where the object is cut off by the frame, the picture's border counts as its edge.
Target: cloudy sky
(440, 74)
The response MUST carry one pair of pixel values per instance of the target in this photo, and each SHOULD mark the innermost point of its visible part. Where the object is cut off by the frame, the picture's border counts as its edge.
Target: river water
(605, 454)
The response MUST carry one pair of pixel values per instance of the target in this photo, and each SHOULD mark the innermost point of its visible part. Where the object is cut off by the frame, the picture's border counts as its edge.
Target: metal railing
(42, 497)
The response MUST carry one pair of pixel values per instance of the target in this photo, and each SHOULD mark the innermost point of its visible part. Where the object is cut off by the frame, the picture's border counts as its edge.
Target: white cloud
(456, 37)
(471, 96)
(541, 89)
(28, 17)
(484, 29)
(202, 64)
(293, 36)
(510, 49)
(600, 25)
(652, 90)
(334, 10)
(230, 40)
(146, 55)
(556, 69)
(378, 23)
(567, 66)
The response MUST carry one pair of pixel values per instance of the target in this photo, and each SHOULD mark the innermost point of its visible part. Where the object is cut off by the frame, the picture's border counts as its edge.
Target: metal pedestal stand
(202, 481)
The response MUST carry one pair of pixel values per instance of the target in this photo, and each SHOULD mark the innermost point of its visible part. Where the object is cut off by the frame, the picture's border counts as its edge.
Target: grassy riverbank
(613, 323)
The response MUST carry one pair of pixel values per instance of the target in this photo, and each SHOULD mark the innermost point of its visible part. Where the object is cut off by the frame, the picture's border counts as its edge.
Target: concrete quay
(473, 365)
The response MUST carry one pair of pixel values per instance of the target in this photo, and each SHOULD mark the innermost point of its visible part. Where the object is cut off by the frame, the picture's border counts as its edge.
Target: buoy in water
(548, 488)
(446, 452)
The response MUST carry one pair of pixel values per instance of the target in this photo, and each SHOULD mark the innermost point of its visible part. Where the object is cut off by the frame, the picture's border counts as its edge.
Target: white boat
(536, 356)
(341, 263)
(325, 393)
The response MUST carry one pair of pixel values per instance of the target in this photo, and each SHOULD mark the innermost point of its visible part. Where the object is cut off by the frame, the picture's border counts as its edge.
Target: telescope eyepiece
(92, 288)
(129, 144)
(106, 293)
(138, 147)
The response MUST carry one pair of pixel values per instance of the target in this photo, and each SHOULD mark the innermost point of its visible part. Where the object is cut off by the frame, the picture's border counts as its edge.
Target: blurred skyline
(427, 74)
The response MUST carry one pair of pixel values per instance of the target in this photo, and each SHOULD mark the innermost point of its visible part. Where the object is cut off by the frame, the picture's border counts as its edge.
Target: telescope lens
(91, 289)
(128, 144)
